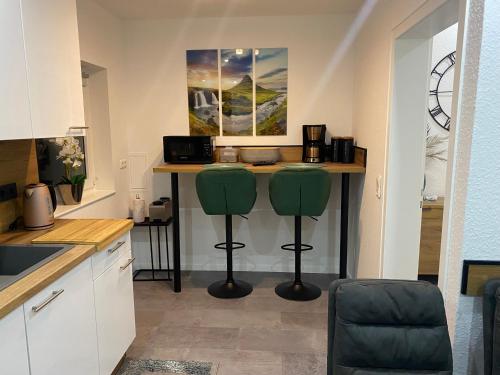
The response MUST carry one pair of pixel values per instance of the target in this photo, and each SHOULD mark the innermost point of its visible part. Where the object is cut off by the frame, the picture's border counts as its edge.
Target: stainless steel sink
(17, 261)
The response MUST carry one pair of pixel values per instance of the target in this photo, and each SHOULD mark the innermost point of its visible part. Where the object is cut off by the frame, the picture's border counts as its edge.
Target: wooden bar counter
(195, 168)
(289, 154)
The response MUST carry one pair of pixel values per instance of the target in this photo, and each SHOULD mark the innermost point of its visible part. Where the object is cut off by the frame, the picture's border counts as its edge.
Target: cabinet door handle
(53, 296)
(78, 127)
(116, 247)
(130, 261)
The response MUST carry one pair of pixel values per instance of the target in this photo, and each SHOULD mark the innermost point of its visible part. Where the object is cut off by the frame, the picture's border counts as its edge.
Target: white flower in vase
(72, 157)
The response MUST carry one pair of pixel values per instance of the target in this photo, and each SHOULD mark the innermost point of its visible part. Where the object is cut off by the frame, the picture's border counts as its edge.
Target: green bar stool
(299, 192)
(227, 191)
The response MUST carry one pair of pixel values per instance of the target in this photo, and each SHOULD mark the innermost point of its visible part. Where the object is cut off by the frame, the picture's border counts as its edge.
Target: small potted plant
(71, 186)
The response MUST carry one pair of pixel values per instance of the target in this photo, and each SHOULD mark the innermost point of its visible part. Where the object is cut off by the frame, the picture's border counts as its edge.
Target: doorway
(419, 121)
(437, 129)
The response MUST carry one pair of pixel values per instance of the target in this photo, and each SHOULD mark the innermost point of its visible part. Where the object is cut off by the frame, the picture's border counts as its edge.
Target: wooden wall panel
(430, 237)
(476, 273)
(17, 164)
(293, 154)
(288, 153)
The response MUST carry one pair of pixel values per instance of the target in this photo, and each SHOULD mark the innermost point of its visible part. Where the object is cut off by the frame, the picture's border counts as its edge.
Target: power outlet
(123, 163)
(8, 192)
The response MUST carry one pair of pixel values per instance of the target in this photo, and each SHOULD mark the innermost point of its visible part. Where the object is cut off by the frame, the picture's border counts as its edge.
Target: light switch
(378, 192)
(123, 163)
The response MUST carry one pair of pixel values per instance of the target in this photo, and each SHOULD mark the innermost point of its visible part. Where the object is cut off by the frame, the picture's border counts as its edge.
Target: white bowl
(259, 154)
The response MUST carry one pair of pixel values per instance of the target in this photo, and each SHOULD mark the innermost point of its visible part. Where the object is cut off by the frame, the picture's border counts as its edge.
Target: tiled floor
(260, 334)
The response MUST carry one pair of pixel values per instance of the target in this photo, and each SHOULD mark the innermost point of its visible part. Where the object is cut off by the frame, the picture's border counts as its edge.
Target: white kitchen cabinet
(61, 326)
(15, 120)
(53, 67)
(13, 349)
(102, 260)
(114, 304)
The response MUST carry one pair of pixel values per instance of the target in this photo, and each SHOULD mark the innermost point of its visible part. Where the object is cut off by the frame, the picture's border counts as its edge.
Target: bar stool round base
(297, 291)
(231, 289)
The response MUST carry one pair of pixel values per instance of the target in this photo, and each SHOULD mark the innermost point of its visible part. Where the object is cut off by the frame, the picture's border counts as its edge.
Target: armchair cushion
(387, 326)
(491, 327)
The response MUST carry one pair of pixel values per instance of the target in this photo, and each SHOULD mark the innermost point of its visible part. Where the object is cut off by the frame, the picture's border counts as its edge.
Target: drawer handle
(116, 247)
(130, 261)
(53, 296)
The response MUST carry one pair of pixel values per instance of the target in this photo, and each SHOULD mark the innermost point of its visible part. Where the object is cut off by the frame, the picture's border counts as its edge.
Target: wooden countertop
(195, 168)
(97, 232)
(88, 235)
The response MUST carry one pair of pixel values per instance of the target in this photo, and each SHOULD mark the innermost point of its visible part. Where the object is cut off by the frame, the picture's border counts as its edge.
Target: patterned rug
(153, 366)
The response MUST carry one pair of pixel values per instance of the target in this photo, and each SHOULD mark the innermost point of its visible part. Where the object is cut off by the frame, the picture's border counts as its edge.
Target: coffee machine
(313, 143)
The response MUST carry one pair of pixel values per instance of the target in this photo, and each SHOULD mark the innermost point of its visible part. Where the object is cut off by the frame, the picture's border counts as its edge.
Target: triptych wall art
(237, 92)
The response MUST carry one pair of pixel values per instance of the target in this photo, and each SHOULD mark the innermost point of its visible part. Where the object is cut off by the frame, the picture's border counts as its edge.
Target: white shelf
(89, 197)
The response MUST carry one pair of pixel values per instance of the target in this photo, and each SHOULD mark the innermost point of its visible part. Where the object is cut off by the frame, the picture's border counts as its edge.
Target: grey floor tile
(195, 337)
(279, 340)
(261, 334)
(302, 364)
(298, 320)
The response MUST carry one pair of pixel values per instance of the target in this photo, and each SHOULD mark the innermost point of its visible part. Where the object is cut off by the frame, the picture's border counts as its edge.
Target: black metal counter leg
(159, 248)
(168, 256)
(176, 237)
(344, 225)
(151, 250)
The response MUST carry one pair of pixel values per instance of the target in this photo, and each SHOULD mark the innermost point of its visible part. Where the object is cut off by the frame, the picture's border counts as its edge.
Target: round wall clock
(441, 90)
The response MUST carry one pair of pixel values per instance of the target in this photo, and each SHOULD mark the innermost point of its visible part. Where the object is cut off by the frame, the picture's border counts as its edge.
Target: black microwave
(189, 149)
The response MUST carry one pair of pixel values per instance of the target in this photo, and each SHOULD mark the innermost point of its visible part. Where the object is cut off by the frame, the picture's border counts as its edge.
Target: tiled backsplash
(17, 164)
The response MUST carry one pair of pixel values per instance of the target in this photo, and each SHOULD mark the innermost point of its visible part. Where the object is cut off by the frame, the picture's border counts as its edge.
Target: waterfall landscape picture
(237, 91)
(271, 82)
(203, 91)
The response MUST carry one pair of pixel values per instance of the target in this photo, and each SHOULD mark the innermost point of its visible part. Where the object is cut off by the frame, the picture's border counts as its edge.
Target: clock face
(441, 90)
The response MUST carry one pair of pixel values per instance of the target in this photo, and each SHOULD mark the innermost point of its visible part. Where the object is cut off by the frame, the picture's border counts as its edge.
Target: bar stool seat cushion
(299, 192)
(226, 191)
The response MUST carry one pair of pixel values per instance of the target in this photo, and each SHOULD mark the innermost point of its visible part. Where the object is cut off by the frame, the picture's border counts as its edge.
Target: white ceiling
(149, 9)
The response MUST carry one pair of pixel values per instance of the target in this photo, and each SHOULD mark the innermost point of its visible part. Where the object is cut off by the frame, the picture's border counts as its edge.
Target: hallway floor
(260, 334)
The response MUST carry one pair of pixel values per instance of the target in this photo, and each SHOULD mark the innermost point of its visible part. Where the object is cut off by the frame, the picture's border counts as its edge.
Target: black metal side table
(152, 270)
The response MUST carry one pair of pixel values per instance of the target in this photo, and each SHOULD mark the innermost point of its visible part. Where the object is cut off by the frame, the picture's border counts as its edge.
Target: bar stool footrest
(223, 245)
(291, 247)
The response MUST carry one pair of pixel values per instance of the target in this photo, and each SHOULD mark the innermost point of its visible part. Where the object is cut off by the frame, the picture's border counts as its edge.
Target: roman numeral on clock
(447, 123)
(452, 57)
(440, 75)
(436, 111)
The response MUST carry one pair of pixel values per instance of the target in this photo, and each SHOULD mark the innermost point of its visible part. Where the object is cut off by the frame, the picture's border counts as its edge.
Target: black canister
(336, 149)
(347, 155)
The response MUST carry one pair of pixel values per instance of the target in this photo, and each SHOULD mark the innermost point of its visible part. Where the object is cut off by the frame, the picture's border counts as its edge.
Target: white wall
(406, 161)
(435, 170)
(474, 208)
(101, 43)
(320, 81)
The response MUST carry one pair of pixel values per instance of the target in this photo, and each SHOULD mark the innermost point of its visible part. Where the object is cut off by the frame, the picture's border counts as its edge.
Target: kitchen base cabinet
(114, 305)
(13, 349)
(61, 326)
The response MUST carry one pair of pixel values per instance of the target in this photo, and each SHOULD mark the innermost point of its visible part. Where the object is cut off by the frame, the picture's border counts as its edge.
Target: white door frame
(411, 42)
